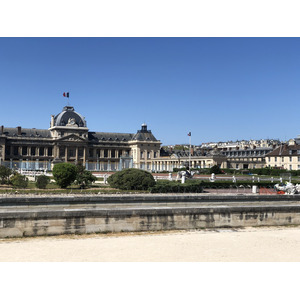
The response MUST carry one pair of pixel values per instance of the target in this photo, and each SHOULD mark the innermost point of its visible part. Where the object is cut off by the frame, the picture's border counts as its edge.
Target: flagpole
(190, 153)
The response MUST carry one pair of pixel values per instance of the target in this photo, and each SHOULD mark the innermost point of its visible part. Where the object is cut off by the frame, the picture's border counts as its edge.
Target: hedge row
(229, 184)
(165, 186)
(196, 186)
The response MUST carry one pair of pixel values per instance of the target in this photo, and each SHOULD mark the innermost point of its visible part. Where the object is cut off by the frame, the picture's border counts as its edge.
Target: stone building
(69, 140)
(286, 156)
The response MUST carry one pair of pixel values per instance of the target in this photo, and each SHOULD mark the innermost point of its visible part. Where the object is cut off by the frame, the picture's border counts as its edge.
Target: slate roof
(67, 113)
(110, 136)
(284, 150)
(25, 132)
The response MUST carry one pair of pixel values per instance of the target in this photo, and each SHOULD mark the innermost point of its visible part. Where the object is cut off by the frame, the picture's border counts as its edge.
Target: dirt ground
(264, 244)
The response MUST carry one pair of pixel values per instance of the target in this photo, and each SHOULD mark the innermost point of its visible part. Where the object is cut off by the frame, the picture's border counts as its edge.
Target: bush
(131, 179)
(215, 169)
(19, 181)
(64, 174)
(165, 186)
(4, 174)
(84, 178)
(42, 181)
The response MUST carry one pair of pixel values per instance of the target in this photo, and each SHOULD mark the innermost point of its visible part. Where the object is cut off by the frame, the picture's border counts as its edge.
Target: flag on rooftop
(189, 134)
(66, 94)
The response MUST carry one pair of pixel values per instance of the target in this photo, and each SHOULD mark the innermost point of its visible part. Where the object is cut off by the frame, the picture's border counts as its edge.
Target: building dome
(69, 117)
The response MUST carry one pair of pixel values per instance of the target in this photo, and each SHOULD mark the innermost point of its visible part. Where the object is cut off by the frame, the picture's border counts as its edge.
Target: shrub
(131, 179)
(215, 169)
(64, 174)
(165, 186)
(4, 174)
(42, 181)
(19, 181)
(84, 178)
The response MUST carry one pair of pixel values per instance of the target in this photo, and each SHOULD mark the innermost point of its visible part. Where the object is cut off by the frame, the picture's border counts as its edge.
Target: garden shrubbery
(19, 181)
(131, 179)
(165, 186)
(42, 181)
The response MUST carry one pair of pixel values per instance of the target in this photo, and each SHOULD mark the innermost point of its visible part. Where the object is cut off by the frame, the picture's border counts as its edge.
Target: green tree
(19, 181)
(84, 178)
(131, 179)
(42, 181)
(64, 174)
(4, 174)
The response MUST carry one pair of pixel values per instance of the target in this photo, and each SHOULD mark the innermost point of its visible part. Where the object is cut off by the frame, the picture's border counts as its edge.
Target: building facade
(286, 156)
(69, 140)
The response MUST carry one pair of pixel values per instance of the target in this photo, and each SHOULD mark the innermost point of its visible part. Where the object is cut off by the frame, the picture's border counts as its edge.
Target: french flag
(66, 94)
(189, 134)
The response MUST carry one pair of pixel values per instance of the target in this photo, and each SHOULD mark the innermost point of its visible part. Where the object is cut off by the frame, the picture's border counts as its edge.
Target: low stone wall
(47, 221)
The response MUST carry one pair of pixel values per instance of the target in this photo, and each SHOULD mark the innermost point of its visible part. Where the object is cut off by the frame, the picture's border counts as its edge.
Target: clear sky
(218, 88)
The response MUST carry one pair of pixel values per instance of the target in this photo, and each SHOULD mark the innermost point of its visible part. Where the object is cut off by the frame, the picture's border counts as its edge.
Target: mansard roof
(285, 150)
(144, 135)
(25, 132)
(109, 136)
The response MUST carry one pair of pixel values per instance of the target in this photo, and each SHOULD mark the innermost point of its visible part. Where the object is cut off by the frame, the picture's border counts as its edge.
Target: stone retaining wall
(47, 221)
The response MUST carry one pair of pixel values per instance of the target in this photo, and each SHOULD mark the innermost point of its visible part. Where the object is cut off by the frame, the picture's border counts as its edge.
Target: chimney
(19, 130)
(2, 129)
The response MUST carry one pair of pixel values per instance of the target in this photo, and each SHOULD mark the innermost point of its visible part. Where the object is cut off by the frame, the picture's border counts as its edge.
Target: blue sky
(218, 88)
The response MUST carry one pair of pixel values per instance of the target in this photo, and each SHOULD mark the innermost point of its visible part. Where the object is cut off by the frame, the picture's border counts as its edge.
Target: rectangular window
(98, 152)
(7, 150)
(62, 152)
(71, 153)
(49, 151)
(155, 154)
(148, 154)
(275, 159)
(24, 150)
(42, 151)
(113, 153)
(33, 151)
(298, 158)
(290, 159)
(91, 154)
(16, 150)
(290, 167)
(142, 154)
(80, 152)
(105, 153)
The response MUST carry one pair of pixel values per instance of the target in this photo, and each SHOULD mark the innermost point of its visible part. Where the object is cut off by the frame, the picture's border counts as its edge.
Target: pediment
(71, 138)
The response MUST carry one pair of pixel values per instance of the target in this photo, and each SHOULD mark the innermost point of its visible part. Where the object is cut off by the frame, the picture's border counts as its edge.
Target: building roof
(25, 132)
(144, 135)
(110, 136)
(69, 115)
(285, 150)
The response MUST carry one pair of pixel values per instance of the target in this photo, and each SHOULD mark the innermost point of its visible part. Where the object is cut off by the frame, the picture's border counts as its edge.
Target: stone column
(84, 155)
(66, 154)
(76, 154)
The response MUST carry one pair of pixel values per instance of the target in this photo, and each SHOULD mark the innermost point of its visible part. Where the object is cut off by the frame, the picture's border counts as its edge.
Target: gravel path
(264, 244)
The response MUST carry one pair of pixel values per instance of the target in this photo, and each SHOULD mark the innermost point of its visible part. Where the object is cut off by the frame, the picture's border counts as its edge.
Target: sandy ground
(265, 244)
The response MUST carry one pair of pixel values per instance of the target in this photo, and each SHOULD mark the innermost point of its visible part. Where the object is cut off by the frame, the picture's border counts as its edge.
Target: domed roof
(69, 117)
